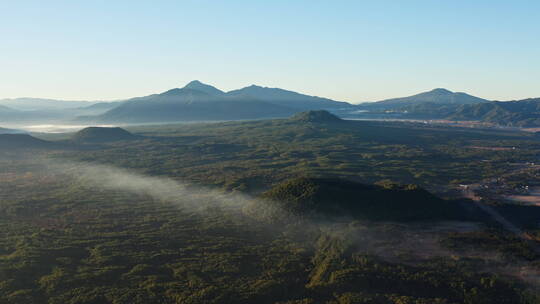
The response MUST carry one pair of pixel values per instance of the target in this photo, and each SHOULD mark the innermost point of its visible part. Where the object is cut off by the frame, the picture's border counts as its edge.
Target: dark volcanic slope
(101, 135)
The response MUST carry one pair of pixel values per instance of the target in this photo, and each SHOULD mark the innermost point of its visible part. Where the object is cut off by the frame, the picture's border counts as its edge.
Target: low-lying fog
(52, 128)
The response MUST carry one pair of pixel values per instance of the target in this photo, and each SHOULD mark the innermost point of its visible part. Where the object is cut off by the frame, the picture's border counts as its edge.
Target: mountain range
(202, 102)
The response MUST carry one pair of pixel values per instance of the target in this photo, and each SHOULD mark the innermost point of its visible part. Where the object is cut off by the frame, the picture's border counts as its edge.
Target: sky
(351, 51)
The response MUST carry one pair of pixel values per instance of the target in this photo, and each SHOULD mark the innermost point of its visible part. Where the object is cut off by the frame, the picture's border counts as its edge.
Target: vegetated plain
(310, 226)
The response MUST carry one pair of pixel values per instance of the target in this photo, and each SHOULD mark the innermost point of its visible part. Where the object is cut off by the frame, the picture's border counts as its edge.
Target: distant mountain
(102, 135)
(38, 104)
(201, 102)
(10, 115)
(7, 110)
(444, 104)
(24, 141)
(99, 108)
(102, 106)
(6, 113)
(37, 110)
(324, 197)
(519, 113)
(320, 116)
(288, 98)
(434, 97)
(188, 104)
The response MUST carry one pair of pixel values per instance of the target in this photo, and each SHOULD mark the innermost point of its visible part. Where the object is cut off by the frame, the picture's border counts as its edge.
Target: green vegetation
(65, 240)
(251, 156)
(65, 243)
(338, 198)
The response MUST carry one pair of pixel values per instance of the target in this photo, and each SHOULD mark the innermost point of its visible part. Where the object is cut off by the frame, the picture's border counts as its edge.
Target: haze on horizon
(350, 50)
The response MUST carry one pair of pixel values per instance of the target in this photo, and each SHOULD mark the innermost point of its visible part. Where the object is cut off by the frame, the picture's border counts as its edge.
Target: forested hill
(320, 116)
(102, 134)
(332, 197)
(520, 113)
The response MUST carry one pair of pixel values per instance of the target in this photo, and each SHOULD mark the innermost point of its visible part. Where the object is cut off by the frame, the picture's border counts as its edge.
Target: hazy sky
(347, 50)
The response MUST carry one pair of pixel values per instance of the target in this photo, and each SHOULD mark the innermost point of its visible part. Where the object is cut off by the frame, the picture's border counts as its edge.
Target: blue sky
(347, 50)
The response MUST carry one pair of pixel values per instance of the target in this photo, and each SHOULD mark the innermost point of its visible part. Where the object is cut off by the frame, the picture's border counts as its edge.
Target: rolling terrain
(305, 209)
(244, 212)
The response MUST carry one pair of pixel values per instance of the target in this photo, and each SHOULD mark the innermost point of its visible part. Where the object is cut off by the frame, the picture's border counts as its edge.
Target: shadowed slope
(336, 197)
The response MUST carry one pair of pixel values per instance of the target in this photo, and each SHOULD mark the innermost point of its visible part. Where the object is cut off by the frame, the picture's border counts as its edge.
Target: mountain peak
(199, 86)
(441, 91)
(194, 82)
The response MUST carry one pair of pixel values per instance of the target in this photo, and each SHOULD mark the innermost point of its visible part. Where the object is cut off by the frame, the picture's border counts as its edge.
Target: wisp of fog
(419, 242)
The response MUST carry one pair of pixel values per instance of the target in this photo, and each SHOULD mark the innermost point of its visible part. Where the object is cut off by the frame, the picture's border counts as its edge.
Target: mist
(183, 195)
